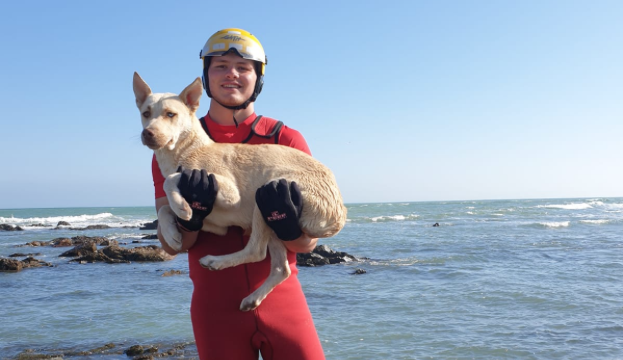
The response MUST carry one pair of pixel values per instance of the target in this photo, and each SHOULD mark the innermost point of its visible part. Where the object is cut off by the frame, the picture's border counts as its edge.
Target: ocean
(497, 279)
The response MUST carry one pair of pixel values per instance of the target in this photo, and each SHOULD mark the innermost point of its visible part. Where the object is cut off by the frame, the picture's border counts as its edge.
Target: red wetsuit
(281, 327)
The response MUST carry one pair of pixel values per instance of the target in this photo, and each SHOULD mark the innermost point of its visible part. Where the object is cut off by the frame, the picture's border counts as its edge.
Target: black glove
(198, 189)
(281, 207)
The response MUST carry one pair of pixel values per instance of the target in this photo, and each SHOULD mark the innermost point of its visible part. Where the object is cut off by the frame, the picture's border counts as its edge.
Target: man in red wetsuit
(281, 328)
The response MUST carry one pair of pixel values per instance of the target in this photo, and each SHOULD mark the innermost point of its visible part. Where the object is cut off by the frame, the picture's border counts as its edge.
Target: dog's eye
(170, 114)
(146, 114)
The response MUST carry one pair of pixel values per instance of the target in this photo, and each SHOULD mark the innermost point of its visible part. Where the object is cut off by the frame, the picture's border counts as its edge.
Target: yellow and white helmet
(244, 44)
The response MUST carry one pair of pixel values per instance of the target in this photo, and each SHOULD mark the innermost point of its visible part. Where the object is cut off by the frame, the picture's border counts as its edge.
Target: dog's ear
(141, 89)
(192, 94)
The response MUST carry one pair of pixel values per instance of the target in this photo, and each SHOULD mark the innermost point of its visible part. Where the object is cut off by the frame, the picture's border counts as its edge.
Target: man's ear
(192, 94)
(141, 89)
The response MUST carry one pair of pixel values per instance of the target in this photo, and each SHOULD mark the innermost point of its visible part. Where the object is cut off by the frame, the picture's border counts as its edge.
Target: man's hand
(199, 190)
(281, 206)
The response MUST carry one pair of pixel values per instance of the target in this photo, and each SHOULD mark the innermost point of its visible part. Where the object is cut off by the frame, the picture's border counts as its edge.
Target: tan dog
(172, 130)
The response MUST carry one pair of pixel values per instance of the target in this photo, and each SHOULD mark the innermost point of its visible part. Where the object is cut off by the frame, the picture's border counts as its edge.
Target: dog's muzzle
(149, 139)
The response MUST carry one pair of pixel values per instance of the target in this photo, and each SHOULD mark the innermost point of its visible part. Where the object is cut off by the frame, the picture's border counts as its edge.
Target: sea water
(511, 279)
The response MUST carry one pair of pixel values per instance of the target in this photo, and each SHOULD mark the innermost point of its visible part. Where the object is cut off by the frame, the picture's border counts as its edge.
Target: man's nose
(232, 73)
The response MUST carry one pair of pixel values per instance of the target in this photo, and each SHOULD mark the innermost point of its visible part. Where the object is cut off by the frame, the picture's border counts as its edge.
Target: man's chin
(230, 101)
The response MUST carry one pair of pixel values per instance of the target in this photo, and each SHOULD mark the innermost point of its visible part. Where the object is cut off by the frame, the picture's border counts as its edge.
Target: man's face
(231, 79)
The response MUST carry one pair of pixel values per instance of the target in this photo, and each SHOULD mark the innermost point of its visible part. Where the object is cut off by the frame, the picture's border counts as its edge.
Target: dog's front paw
(250, 303)
(212, 262)
(182, 209)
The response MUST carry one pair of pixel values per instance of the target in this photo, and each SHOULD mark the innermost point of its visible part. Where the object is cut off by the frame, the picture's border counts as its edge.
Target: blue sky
(403, 100)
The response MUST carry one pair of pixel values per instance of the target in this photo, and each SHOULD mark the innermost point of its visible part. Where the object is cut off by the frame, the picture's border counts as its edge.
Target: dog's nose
(147, 134)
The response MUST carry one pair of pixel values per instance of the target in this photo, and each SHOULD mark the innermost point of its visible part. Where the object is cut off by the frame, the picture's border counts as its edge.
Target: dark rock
(87, 248)
(96, 227)
(134, 350)
(24, 255)
(150, 237)
(359, 272)
(17, 265)
(98, 257)
(63, 223)
(32, 262)
(11, 265)
(114, 254)
(62, 242)
(7, 227)
(76, 240)
(141, 253)
(323, 255)
(37, 243)
(436, 225)
(150, 226)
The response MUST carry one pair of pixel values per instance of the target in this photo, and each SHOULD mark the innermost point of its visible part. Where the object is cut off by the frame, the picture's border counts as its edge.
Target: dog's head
(165, 116)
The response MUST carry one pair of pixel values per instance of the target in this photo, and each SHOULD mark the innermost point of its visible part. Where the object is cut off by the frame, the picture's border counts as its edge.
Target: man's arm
(304, 244)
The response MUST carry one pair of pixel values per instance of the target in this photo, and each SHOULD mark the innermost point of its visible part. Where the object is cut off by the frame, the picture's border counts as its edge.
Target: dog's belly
(224, 218)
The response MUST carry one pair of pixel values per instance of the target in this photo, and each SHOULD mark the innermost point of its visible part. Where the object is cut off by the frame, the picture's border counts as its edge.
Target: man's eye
(170, 114)
(146, 114)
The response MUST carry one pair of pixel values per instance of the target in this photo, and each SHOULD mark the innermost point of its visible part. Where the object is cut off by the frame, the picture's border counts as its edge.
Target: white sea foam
(34, 223)
(596, 222)
(555, 224)
(393, 218)
(567, 206)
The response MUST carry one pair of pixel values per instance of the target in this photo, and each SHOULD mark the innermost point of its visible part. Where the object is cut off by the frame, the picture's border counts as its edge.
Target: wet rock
(359, 272)
(150, 226)
(62, 242)
(62, 223)
(171, 273)
(17, 265)
(32, 262)
(11, 265)
(98, 256)
(134, 350)
(115, 255)
(323, 255)
(150, 237)
(91, 227)
(76, 240)
(87, 248)
(24, 255)
(149, 253)
(7, 227)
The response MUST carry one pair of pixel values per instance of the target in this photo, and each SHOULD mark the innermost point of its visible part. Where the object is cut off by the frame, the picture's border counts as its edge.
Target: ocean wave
(382, 218)
(106, 218)
(386, 218)
(554, 224)
(595, 222)
(581, 206)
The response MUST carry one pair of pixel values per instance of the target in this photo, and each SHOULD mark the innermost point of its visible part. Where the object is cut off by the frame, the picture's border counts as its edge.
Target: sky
(403, 100)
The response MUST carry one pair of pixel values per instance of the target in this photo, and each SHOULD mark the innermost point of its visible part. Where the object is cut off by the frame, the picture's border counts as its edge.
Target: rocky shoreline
(88, 250)
(182, 350)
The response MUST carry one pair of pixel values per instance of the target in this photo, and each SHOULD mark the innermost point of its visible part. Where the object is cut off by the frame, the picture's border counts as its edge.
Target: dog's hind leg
(254, 251)
(279, 272)
(168, 228)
